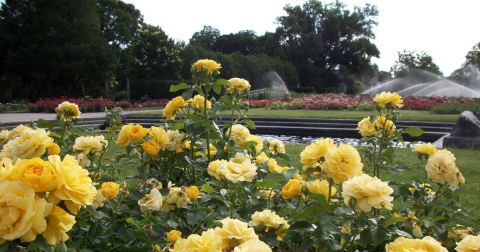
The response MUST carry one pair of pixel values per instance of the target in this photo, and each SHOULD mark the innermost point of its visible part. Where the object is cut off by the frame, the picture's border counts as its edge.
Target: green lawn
(406, 115)
(467, 160)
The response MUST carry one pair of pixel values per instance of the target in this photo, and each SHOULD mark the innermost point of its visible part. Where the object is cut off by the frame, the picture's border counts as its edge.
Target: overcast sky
(446, 29)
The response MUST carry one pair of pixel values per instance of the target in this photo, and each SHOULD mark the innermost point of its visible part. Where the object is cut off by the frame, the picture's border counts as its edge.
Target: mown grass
(468, 161)
(406, 115)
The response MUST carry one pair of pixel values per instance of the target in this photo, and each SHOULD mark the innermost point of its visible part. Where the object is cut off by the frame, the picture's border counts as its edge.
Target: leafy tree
(473, 56)
(327, 42)
(244, 42)
(206, 37)
(412, 59)
(468, 73)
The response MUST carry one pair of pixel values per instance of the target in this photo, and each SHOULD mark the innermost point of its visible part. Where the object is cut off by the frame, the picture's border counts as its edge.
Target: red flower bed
(426, 103)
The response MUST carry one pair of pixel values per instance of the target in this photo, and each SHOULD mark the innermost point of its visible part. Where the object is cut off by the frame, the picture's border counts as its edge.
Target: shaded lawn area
(468, 161)
(406, 115)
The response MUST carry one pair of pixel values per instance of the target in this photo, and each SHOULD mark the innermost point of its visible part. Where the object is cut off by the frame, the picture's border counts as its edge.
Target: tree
(206, 37)
(473, 56)
(412, 59)
(327, 42)
(52, 48)
(244, 42)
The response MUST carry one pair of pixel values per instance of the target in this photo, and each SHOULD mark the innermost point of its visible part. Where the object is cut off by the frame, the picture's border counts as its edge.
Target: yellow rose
(151, 202)
(173, 106)
(159, 136)
(417, 231)
(342, 163)
(110, 189)
(59, 223)
(198, 103)
(53, 149)
(441, 168)
(215, 167)
(261, 158)
(74, 183)
(22, 214)
(238, 133)
(459, 232)
(253, 245)
(208, 241)
(151, 148)
(192, 192)
(131, 133)
(366, 128)
(175, 141)
(446, 152)
(90, 144)
(213, 150)
(3, 137)
(276, 146)
(268, 219)
(6, 168)
(258, 142)
(238, 86)
(207, 66)
(320, 187)
(368, 192)
(17, 131)
(292, 189)
(235, 232)
(385, 126)
(425, 149)
(469, 243)
(173, 235)
(275, 168)
(98, 200)
(67, 111)
(311, 155)
(177, 196)
(29, 144)
(385, 99)
(37, 173)
(266, 193)
(427, 244)
(235, 172)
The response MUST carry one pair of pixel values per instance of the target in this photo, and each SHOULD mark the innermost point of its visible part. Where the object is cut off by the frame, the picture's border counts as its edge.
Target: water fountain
(272, 80)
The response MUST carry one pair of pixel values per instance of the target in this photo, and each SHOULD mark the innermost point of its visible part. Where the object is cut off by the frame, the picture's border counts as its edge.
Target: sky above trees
(445, 29)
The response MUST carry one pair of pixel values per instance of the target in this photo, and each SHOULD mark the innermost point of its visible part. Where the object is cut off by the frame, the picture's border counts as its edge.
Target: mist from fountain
(275, 82)
(424, 83)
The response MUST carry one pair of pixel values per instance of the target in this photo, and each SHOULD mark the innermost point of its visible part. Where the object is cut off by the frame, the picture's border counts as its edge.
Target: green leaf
(301, 226)
(178, 125)
(178, 87)
(187, 94)
(219, 83)
(393, 221)
(207, 188)
(250, 124)
(226, 100)
(270, 181)
(413, 131)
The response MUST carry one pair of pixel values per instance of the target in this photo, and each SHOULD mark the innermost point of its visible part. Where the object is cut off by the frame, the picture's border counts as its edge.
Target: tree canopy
(412, 59)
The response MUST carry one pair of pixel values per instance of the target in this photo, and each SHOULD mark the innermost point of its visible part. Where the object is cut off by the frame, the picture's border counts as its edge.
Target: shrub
(455, 108)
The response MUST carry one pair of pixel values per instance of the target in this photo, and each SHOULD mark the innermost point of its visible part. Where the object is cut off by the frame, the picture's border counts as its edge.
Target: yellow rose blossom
(417, 231)
(269, 220)
(37, 173)
(6, 168)
(368, 192)
(366, 128)
(198, 103)
(253, 245)
(291, 189)
(207, 241)
(110, 189)
(159, 136)
(22, 214)
(342, 163)
(192, 192)
(446, 152)
(441, 168)
(235, 172)
(276, 146)
(266, 193)
(311, 155)
(425, 149)
(173, 235)
(173, 106)
(53, 149)
(261, 158)
(67, 111)
(156, 248)
(17, 131)
(74, 183)
(98, 200)
(3, 137)
(208, 66)
(275, 168)
(469, 243)
(459, 232)
(90, 144)
(59, 223)
(385, 99)
(151, 202)
(213, 150)
(177, 196)
(151, 148)
(427, 244)
(238, 86)
(235, 232)
(385, 126)
(175, 141)
(238, 133)
(131, 133)
(258, 142)
(29, 144)
(320, 187)
(215, 168)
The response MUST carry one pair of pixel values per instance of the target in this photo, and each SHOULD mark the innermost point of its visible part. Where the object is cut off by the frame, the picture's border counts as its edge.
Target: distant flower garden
(189, 185)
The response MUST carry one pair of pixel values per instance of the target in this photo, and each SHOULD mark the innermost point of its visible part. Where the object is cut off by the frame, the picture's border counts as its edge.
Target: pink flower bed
(48, 105)
(426, 103)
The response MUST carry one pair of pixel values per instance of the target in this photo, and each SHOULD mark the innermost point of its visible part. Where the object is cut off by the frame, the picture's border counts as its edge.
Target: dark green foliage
(411, 59)
(455, 108)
